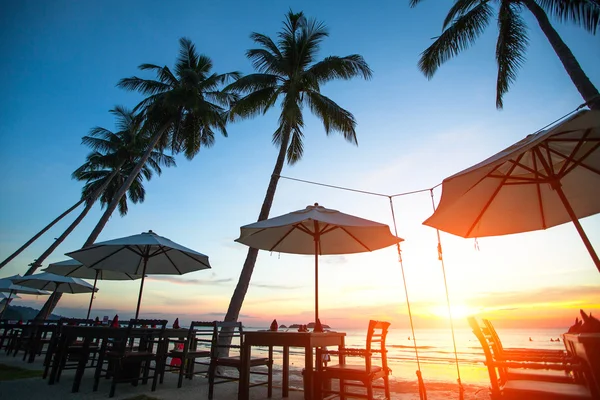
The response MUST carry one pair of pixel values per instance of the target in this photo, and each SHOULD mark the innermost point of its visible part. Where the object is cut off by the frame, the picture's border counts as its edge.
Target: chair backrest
(145, 332)
(376, 336)
(227, 336)
(487, 351)
(200, 335)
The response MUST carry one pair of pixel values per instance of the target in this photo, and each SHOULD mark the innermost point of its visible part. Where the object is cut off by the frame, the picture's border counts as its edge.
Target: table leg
(285, 384)
(83, 358)
(243, 387)
(308, 372)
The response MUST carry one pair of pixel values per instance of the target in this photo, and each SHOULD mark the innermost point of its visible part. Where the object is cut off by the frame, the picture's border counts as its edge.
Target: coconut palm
(183, 108)
(288, 72)
(114, 156)
(467, 19)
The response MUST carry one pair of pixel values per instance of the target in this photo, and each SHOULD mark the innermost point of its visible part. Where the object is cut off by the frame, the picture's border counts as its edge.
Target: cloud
(270, 286)
(182, 281)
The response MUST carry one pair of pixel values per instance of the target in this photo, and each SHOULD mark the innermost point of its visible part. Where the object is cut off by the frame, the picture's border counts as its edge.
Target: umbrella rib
(579, 162)
(493, 196)
(104, 258)
(300, 227)
(355, 238)
(570, 157)
(171, 261)
(539, 194)
(194, 258)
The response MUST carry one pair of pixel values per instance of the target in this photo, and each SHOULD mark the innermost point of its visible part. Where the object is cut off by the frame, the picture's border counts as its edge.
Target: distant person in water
(530, 339)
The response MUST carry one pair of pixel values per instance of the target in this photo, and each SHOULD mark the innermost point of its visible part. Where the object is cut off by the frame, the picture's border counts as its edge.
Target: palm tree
(183, 108)
(288, 72)
(467, 19)
(114, 156)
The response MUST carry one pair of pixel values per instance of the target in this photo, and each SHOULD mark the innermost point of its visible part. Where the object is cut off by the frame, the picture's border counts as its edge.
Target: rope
(461, 390)
(422, 391)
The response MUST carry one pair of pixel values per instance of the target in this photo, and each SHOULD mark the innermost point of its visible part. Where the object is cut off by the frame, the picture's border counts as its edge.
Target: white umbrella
(7, 286)
(143, 254)
(55, 283)
(317, 230)
(76, 269)
(546, 179)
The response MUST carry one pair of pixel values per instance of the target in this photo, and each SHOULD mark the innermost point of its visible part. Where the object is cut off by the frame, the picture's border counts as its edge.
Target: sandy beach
(37, 388)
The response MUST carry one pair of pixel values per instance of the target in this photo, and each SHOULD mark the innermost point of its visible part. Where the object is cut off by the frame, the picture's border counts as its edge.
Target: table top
(294, 339)
(591, 338)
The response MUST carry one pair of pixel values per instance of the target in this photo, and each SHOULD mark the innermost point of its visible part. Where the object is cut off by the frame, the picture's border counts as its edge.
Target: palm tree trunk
(586, 88)
(235, 305)
(40, 233)
(55, 297)
(124, 188)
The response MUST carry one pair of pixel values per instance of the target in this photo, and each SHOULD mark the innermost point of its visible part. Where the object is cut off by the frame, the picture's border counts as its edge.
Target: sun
(459, 311)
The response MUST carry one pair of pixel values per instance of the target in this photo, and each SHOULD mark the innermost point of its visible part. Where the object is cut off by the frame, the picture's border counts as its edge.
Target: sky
(62, 60)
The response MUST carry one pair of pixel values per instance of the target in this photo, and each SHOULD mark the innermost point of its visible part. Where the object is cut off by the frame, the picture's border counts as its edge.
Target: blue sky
(61, 63)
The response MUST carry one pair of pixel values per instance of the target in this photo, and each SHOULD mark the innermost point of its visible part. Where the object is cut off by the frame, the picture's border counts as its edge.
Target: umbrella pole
(316, 279)
(7, 303)
(578, 226)
(137, 311)
(92, 297)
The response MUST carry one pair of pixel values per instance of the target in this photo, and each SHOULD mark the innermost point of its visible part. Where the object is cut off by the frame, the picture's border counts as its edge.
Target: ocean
(436, 354)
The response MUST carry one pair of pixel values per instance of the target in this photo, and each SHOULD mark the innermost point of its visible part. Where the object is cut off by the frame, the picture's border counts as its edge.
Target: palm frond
(414, 3)
(267, 43)
(311, 36)
(265, 62)
(581, 12)
(510, 48)
(295, 150)
(334, 67)
(457, 37)
(145, 86)
(255, 103)
(334, 117)
(164, 74)
(460, 8)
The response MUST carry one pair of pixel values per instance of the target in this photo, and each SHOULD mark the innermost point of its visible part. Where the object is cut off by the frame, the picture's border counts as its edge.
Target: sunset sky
(62, 60)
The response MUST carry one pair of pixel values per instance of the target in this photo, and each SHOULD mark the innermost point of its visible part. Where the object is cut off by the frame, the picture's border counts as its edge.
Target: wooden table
(307, 340)
(586, 346)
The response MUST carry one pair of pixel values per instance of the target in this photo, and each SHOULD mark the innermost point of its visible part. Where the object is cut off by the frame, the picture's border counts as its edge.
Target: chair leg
(181, 372)
(369, 386)
(342, 389)
(116, 375)
(211, 380)
(270, 379)
(386, 385)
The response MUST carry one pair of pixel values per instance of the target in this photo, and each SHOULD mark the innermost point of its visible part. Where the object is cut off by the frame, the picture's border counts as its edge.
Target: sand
(37, 388)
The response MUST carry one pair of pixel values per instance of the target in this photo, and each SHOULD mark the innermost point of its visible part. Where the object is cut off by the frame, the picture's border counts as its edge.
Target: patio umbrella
(143, 254)
(548, 178)
(77, 270)
(317, 230)
(7, 286)
(55, 283)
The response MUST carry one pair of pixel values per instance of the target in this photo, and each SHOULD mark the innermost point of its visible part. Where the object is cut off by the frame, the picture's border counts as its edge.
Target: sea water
(434, 351)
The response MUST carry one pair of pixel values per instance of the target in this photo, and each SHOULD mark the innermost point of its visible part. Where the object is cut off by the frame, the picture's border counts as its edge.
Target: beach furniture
(586, 346)
(197, 345)
(318, 231)
(548, 178)
(134, 356)
(523, 354)
(351, 373)
(227, 343)
(72, 349)
(532, 385)
(143, 254)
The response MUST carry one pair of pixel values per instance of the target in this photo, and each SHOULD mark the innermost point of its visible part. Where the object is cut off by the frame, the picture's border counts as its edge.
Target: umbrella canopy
(55, 283)
(7, 286)
(76, 269)
(546, 179)
(143, 254)
(319, 231)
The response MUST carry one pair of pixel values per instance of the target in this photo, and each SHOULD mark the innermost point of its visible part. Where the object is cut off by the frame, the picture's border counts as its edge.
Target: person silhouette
(530, 339)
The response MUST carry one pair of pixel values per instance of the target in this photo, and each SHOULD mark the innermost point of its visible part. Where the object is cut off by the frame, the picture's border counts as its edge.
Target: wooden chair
(228, 338)
(523, 354)
(131, 356)
(68, 353)
(373, 367)
(504, 386)
(197, 345)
